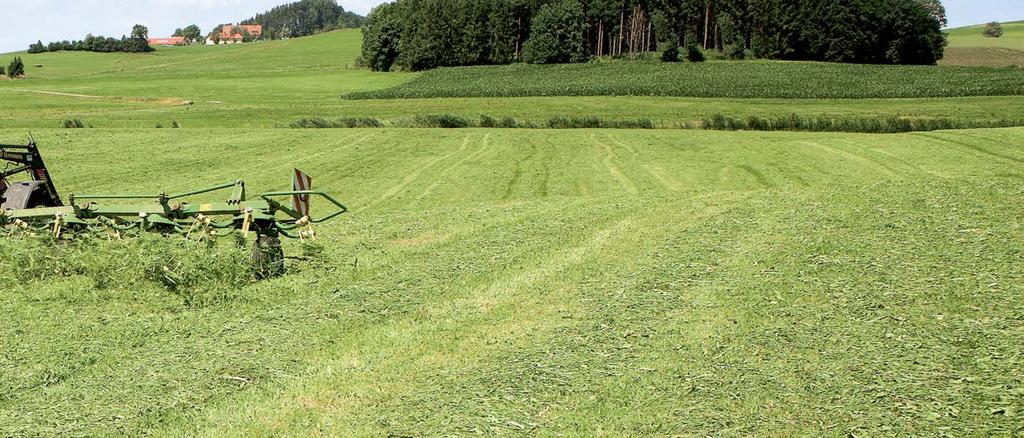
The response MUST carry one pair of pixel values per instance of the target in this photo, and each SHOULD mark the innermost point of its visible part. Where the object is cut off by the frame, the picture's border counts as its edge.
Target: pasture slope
(516, 282)
(968, 46)
(271, 84)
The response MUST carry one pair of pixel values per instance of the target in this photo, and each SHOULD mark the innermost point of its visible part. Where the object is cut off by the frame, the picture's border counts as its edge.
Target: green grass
(800, 80)
(516, 281)
(274, 79)
(971, 36)
(969, 47)
(40, 112)
(272, 84)
(554, 282)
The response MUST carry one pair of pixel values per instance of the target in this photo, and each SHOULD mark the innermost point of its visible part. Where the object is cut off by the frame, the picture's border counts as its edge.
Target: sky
(25, 21)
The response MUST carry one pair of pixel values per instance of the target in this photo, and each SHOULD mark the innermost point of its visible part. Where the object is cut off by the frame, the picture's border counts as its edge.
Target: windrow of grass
(720, 122)
(711, 79)
(454, 121)
(198, 273)
(878, 125)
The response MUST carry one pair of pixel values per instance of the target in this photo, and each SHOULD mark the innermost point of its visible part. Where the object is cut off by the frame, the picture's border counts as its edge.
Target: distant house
(168, 41)
(229, 36)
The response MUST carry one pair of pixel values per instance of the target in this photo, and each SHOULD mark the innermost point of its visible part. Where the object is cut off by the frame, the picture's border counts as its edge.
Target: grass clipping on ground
(201, 273)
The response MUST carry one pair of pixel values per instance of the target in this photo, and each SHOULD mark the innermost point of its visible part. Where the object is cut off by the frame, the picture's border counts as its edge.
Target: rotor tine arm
(237, 184)
(341, 209)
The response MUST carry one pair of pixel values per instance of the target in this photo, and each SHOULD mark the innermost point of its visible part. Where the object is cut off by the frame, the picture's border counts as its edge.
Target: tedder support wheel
(267, 257)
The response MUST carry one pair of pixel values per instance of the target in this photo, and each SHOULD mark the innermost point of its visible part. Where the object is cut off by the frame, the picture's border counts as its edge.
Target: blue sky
(26, 21)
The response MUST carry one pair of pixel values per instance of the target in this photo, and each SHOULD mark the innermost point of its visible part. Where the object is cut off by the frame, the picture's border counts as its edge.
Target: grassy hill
(971, 36)
(968, 46)
(514, 281)
(271, 84)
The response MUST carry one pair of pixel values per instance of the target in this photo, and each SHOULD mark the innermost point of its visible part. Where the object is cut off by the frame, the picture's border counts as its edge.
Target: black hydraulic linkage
(26, 159)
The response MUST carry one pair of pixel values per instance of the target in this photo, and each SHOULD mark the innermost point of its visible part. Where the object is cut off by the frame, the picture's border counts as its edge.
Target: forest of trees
(423, 34)
(138, 42)
(306, 17)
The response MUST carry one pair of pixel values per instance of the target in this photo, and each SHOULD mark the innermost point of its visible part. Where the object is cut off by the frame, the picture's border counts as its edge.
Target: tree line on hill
(305, 17)
(138, 42)
(424, 34)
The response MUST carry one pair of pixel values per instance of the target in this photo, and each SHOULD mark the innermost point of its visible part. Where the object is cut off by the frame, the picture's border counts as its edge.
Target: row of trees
(305, 17)
(191, 34)
(138, 42)
(423, 34)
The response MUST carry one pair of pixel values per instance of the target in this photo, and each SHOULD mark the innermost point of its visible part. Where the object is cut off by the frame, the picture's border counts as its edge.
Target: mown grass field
(517, 281)
(624, 282)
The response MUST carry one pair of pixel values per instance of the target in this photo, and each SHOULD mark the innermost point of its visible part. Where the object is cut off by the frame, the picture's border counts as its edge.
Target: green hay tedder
(31, 206)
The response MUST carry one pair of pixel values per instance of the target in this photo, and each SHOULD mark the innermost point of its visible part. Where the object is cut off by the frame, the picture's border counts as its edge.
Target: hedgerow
(718, 122)
(880, 125)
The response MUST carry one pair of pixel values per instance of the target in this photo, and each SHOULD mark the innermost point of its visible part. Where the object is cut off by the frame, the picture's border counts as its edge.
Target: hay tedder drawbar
(31, 205)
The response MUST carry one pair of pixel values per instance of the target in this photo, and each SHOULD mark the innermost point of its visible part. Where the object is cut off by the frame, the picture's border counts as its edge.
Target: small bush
(694, 54)
(357, 122)
(71, 124)
(574, 122)
(737, 52)
(880, 125)
(440, 121)
(643, 123)
(159, 125)
(491, 122)
(508, 122)
(310, 122)
(993, 30)
(175, 124)
(671, 54)
(488, 122)
(16, 69)
(343, 122)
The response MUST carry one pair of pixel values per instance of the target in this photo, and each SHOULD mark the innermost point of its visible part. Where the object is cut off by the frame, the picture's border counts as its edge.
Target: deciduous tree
(558, 34)
(993, 30)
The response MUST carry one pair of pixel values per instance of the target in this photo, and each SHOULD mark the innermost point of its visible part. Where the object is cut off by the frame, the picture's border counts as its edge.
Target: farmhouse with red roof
(167, 41)
(232, 34)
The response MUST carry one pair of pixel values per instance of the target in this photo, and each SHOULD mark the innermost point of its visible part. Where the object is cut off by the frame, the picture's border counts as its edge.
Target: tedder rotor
(33, 206)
